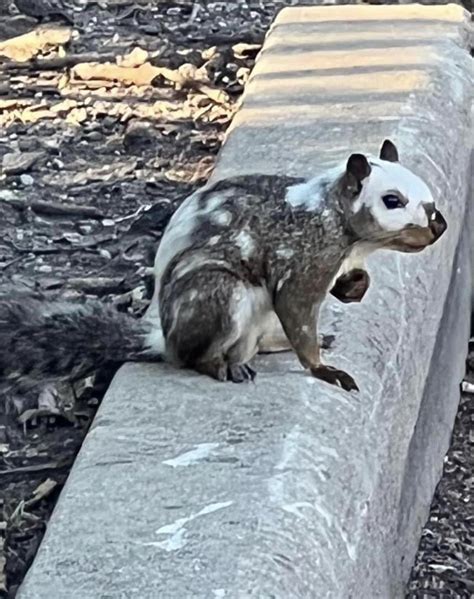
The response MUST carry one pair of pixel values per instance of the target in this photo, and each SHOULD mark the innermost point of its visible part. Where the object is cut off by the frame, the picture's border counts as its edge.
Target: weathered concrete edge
(109, 398)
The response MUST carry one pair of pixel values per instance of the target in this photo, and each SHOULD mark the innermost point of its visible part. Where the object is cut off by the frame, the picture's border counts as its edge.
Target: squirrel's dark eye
(392, 201)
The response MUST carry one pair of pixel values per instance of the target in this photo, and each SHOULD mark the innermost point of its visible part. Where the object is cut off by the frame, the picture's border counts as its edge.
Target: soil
(93, 168)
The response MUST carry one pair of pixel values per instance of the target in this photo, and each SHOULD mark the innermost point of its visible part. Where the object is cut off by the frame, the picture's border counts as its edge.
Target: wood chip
(42, 491)
(142, 75)
(137, 57)
(24, 47)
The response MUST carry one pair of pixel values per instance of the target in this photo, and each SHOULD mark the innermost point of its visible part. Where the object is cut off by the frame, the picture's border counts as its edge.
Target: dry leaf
(92, 71)
(137, 57)
(48, 399)
(42, 491)
(243, 50)
(117, 170)
(25, 47)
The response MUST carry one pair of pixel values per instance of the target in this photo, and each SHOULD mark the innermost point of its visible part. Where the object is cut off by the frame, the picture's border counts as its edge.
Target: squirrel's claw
(335, 377)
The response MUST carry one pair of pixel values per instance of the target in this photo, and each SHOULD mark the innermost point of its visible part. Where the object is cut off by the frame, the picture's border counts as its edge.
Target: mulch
(95, 159)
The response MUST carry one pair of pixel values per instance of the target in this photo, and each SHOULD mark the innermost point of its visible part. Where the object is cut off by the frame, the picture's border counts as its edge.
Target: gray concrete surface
(186, 488)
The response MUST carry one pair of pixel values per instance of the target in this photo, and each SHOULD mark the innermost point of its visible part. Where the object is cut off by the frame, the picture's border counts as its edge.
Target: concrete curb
(186, 488)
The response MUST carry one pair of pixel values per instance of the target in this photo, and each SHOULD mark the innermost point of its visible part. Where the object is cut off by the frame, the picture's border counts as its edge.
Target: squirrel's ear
(357, 169)
(389, 151)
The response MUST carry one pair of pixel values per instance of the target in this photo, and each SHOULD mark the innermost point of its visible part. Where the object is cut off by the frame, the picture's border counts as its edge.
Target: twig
(42, 207)
(59, 62)
(97, 285)
(37, 467)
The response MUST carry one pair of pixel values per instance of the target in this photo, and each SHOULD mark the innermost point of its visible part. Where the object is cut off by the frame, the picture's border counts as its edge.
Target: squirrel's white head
(388, 204)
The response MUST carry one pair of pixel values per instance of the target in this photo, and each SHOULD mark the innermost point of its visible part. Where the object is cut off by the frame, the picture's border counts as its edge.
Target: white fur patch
(249, 305)
(388, 178)
(180, 303)
(250, 308)
(245, 243)
(355, 259)
(310, 194)
(222, 218)
(285, 252)
(178, 233)
(214, 240)
(194, 262)
(283, 280)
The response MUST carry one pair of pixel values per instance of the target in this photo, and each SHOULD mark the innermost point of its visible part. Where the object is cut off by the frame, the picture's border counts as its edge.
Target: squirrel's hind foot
(240, 373)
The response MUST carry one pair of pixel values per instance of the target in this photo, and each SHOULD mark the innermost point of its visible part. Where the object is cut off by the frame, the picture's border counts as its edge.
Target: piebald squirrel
(243, 266)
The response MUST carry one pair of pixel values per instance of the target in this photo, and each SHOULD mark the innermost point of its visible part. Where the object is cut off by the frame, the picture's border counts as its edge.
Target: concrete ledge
(186, 488)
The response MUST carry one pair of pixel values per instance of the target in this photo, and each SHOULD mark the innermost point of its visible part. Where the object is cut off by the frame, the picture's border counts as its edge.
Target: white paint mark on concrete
(322, 511)
(290, 448)
(295, 507)
(213, 507)
(276, 489)
(276, 485)
(351, 547)
(219, 593)
(177, 531)
(173, 543)
(199, 453)
(329, 451)
(174, 527)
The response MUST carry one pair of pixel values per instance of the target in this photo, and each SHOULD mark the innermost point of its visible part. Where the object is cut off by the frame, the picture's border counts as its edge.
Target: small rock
(44, 268)
(52, 144)
(16, 163)
(94, 136)
(85, 229)
(27, 180)
(28, 144)
(6, 195)
(58, 164)
(108, 122)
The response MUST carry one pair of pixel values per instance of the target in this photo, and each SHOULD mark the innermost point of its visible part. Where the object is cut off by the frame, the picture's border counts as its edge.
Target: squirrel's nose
(436, 221)
(438, 224)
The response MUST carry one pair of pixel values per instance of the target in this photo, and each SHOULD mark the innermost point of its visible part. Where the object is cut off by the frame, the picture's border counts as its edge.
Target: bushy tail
(42, 341)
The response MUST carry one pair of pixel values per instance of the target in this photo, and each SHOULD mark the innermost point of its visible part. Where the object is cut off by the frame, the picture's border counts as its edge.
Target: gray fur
(291, 262)
(52, 341)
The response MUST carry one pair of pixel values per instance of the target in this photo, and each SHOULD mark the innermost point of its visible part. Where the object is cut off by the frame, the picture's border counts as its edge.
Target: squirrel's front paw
(335, 377)
(352, 286)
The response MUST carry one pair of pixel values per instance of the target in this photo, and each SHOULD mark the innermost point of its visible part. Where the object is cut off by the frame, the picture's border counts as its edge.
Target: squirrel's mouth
(415, 239)
(412, 249)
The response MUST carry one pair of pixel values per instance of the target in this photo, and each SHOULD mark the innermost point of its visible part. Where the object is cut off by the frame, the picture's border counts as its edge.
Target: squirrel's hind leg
(212, 321)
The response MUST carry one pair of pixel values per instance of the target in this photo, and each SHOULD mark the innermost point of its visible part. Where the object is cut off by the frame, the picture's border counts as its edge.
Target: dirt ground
(109, 117)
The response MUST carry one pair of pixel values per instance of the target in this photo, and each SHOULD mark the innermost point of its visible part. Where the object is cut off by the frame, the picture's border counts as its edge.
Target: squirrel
(243, 267)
